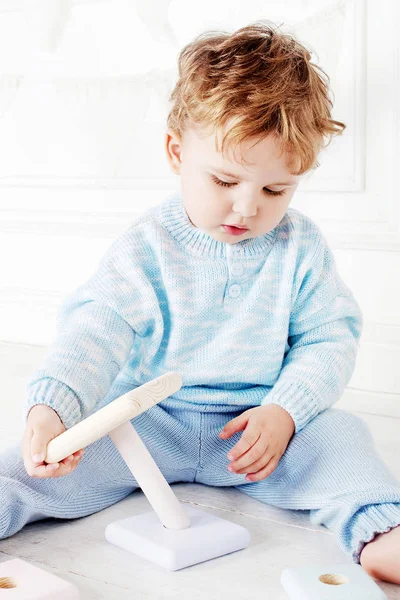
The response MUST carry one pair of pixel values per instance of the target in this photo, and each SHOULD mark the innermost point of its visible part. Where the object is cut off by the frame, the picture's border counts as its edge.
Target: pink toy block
(20, 580)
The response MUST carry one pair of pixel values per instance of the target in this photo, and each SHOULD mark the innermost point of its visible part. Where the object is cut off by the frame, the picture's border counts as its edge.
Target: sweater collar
(174, 218)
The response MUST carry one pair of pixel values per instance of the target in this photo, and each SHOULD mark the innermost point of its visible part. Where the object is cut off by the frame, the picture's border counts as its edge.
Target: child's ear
(173, 147)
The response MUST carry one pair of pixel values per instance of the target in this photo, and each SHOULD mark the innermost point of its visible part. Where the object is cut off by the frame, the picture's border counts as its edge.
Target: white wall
(83, 103)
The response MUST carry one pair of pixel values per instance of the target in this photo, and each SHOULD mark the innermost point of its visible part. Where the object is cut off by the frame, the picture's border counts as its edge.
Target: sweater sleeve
(324, 331)
(95, 333)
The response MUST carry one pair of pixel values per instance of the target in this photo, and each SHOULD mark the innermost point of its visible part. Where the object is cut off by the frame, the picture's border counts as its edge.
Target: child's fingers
(69, 464)
(256, 465)
(64, 467)
(265, 472)
(34, 469)
(79, 453)
(249, 438)
(254, 454)
(73, 459)
(235, 425)
(43, 470)
(38, 446)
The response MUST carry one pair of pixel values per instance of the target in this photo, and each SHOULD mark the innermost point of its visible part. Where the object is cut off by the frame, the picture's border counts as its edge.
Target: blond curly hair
(262, 81)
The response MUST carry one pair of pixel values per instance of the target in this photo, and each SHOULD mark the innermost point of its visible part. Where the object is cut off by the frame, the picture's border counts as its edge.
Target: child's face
(249, 202)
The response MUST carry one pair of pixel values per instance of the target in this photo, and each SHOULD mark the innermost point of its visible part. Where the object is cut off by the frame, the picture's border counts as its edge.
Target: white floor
(77, 551)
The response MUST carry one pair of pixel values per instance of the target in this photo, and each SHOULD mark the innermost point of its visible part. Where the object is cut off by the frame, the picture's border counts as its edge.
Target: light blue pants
(330, 468)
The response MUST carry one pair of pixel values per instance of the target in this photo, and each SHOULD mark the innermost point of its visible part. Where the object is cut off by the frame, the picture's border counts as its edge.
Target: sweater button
(237, 269)
(234, 290)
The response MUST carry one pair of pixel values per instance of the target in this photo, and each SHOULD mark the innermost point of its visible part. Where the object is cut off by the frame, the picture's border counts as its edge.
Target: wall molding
(93, 183)
(374, 403)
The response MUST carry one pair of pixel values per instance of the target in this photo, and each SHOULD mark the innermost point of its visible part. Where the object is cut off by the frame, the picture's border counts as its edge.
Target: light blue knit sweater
(265, 320)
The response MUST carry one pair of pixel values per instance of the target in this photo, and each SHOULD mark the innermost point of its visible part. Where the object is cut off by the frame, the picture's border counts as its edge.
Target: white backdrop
(83, 103)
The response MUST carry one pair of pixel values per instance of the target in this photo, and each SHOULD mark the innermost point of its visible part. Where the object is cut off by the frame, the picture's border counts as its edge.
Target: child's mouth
(234, 230)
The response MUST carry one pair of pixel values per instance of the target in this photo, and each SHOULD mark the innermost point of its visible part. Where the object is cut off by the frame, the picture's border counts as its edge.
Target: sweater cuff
(58, 396)
(297, 399)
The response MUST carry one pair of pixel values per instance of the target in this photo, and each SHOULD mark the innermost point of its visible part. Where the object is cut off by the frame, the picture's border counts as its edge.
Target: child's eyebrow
(222, 172)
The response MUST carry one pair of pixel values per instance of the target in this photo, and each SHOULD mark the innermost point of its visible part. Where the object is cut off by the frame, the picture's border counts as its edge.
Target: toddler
(225, 284)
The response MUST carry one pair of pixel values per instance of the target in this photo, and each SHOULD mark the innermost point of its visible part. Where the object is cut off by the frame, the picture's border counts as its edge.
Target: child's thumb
(38, 447)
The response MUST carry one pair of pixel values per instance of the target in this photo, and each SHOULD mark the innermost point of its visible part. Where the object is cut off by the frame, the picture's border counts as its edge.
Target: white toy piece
(178, 537)
(207, 537)
(20, 580)
(106, 419)
(330, 582)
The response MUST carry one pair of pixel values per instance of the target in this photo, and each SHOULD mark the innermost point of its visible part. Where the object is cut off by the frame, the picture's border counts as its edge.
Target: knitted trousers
(330, 468)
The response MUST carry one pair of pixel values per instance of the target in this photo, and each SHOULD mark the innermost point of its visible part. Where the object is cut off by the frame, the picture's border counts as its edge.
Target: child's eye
(226, 184)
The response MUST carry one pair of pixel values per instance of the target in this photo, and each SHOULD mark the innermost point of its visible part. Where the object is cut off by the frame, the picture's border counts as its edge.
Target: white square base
(303, 583)
(206, 538)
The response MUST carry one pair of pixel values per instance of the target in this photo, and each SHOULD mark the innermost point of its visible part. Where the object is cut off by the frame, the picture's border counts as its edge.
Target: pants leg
(101, 478)
(330, 468)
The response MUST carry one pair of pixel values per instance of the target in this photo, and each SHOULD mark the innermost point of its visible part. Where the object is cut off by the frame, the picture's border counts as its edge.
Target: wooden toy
(106, 419)
(19, 580)
(330, 582)
(172, 536)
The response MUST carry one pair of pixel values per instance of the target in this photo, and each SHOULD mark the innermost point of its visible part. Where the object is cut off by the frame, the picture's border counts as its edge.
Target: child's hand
(267, 432)
(43, 424)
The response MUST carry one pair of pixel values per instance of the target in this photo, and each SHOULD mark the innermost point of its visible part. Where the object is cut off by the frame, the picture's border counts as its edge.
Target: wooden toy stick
(109, 417)
(149, 477)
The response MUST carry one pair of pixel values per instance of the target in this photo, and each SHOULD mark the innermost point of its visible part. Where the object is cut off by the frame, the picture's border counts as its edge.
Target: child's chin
(223, 236)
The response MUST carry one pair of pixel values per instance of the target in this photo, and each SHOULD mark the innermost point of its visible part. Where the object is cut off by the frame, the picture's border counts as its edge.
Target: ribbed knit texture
(265, 320)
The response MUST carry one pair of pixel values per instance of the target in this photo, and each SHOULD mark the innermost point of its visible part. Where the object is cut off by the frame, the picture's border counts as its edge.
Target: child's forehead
(211, 140)
(241, 158)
